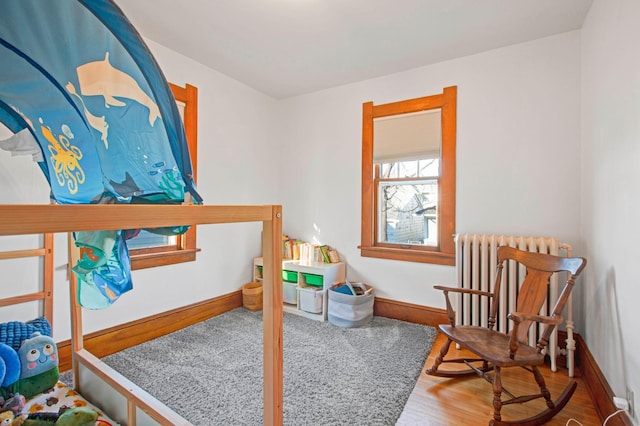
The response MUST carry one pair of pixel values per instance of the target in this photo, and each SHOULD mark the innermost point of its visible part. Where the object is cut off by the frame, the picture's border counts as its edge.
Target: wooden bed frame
(49, 219)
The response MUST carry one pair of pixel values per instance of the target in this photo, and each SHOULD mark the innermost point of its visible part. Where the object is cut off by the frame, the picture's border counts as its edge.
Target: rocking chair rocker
(496, 350)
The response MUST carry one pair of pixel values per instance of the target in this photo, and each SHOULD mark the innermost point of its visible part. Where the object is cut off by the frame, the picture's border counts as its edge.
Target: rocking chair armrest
(463, 290)
(518, 317)
(451, 314)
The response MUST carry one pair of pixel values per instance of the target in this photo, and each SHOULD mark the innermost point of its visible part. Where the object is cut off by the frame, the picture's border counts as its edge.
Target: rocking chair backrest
(534, 289)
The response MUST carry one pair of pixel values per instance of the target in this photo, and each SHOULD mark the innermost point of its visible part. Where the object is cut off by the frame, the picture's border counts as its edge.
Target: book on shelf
(296, 249)
(324, 251)
(329, 254)
(334, 257)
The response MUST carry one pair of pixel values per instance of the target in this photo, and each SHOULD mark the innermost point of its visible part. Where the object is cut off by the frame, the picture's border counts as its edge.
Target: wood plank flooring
(437, 401)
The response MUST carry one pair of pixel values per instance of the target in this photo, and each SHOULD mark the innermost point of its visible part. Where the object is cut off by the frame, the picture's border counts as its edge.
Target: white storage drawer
(311, 299)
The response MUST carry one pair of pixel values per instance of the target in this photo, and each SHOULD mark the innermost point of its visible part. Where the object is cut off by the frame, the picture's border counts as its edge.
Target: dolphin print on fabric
(103, 79)
(98, 123)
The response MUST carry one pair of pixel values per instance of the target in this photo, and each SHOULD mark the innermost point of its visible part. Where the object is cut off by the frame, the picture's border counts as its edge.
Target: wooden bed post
(77, 342)
(47, 283)
(272, 319)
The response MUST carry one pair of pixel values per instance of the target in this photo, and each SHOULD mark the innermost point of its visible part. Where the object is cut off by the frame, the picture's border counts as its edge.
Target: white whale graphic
(100, 78)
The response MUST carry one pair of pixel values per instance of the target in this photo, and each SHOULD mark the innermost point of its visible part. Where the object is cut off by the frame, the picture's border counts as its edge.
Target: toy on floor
(80, 416)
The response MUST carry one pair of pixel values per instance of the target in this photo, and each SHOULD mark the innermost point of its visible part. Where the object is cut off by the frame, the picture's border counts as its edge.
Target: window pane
(389, 170)
(408, 169)
(407, 212)
(429, 168)
(146, 239)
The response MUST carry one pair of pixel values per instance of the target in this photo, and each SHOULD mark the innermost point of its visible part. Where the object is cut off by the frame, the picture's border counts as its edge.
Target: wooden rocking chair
(496, 350)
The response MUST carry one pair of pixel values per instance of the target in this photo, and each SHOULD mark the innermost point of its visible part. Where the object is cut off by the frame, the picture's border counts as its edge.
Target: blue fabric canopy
(84, 96)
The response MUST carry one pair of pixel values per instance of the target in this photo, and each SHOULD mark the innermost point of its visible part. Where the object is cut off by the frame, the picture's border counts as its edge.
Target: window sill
(171, 257)
(435, 257)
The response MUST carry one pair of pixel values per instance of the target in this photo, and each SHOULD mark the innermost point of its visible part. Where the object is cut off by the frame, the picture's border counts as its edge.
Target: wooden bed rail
(34, 219)
(136, 396)
(20, 219)
(17, 254)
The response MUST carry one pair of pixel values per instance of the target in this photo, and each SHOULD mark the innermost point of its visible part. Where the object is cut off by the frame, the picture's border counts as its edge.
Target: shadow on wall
(611, 349)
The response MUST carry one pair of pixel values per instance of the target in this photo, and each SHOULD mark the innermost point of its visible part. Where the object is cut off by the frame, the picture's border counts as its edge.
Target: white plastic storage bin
(289, 293)
(310, 299)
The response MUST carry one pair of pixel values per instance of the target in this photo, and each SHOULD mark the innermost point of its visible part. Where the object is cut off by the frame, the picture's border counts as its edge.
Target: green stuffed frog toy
(80, 416)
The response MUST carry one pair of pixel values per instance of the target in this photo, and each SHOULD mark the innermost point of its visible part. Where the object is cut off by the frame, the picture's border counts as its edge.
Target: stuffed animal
(80, 416)
(9, 370)
(15, 332)
(6, 418)
(38, 358)
(15, 404)
(28, 358)
(9, 365)
(37, 355)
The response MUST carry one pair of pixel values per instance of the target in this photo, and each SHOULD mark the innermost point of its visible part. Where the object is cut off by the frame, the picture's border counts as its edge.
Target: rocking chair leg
(543, 386)
(497, 394)
(443, 351)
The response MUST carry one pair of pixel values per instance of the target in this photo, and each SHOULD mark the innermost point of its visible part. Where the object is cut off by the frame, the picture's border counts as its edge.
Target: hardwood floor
(437, 401)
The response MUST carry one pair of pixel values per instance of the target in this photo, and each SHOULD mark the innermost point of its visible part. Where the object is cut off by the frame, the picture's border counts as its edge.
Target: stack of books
(296, 249)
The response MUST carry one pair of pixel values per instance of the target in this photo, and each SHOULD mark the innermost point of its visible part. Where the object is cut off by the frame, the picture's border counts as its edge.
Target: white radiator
(476, 261)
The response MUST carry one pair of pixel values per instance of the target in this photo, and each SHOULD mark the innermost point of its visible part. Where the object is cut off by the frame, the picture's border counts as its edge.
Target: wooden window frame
(444, 253)
(185, 248)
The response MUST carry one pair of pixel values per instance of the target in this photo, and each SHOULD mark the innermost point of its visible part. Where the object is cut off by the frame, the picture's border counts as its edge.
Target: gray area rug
(211, 372)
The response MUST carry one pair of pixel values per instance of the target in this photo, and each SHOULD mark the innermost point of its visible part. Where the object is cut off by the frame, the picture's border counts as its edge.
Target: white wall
(610, 188)
(517, 156)
(236, 155)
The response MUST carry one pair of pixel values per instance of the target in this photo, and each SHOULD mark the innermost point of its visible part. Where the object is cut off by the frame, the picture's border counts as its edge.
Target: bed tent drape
(84, 96)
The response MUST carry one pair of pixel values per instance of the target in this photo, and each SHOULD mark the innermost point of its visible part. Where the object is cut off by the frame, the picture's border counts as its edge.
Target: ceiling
(285, 48)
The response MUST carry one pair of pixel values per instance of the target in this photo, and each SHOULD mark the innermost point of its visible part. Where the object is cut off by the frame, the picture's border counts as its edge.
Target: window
(408, 179)
(147, 249)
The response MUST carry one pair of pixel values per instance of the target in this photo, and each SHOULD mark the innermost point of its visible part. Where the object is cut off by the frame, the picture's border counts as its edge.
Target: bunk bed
(95, 380)
(83, 95)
